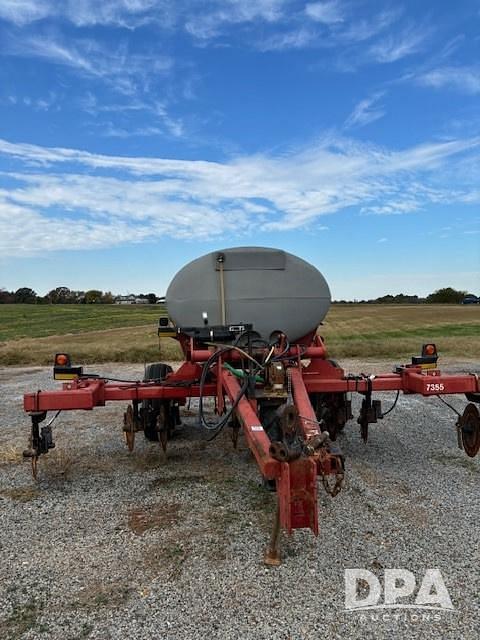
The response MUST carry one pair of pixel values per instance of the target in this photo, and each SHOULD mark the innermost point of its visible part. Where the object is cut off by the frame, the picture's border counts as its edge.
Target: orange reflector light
(61, 359)
(429, 350)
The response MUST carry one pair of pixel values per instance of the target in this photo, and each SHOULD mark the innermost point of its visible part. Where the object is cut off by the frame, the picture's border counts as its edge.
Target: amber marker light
(429, 350)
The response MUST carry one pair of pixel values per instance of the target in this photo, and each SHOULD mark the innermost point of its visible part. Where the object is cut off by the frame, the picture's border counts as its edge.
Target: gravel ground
(109, 544)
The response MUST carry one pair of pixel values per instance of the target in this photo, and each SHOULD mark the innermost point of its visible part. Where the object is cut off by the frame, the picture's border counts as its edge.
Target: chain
(289, 385)
(339, 477)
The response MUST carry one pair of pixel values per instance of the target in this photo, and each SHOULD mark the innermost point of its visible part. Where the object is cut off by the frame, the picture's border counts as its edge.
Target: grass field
(31, 334)
(37, 321)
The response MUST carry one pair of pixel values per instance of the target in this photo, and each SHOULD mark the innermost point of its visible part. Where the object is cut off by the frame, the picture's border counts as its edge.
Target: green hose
(240, 373)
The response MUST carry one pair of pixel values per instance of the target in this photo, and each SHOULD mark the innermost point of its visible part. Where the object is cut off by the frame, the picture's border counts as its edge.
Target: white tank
(271, 289)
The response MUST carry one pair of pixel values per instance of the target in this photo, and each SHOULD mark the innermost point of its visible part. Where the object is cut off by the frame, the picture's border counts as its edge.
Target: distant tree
(25, 295)
(93, 296)
(446, 295)
(108, 298)
(400, 298)
(60, 295)
(152, 298)
(6, 297)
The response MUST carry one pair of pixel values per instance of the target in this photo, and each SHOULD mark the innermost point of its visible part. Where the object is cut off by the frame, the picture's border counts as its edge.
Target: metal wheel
(469, 426)
(150, 408)
(129, 427)
(163, 425)
(364, 432)
(34, 467)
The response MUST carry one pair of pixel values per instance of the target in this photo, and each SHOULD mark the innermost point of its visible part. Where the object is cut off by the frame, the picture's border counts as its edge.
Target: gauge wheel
(151, 408)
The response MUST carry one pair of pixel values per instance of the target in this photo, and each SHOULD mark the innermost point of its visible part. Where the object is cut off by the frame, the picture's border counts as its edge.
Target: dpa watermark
(363, 593)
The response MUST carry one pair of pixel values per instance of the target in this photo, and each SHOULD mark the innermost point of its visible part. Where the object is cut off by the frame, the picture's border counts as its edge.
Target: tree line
(446, 295)
(64, 295)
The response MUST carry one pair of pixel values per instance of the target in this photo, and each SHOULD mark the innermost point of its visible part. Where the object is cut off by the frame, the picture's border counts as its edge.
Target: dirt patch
(60, 464)
(100, 594)
(166, 560)
(366, 473)
(153, 517)
(185, 478)
(10, 455)
(24, 618)
(414, 513)
(21, 494)
(454, 461)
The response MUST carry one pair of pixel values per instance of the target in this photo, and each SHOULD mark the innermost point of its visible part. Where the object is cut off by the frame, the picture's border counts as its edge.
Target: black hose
(221, 424)
(152, 382)
(393, 405)
(217, 427)
(449, 406)
(206, 368)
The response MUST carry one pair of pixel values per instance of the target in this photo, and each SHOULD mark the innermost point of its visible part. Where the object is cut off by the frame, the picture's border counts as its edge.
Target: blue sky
(136, 135)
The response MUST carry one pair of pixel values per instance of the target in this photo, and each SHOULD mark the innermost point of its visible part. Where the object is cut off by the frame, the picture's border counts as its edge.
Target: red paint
(296, 480)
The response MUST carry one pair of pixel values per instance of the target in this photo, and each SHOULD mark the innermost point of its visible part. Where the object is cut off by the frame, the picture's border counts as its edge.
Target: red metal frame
(296, 480)
(87, 393)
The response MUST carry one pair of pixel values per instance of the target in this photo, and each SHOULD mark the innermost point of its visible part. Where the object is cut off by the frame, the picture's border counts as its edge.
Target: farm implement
(246, 321)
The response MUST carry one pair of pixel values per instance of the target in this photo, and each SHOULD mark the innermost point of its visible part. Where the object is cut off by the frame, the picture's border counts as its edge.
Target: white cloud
(91, 105)
(215, 16)
(399, 45)
(463, 79)
(329, 12)
(121, 13)
(125, 72)
(85, 13)
(362, 29)
(408, 204)
(43, 103)
(208, 20)
(345, 32)
(111, 131)
(174, 126)
(203, 20)
(170, 126)
(366, 111)
(265, 25)
(67, 192)
(162, 122)
(22, 12)
(295, 39)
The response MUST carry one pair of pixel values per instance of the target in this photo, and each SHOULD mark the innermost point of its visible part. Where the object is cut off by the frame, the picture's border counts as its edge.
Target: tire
(150, 408)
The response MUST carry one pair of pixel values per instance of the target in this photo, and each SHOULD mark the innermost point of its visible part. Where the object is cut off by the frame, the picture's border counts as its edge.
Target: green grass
(442, 331)
(36, 321)
(32, 334)
(398, 331)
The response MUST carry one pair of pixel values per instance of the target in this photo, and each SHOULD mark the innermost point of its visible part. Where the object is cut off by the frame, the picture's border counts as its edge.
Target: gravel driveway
(113, 545)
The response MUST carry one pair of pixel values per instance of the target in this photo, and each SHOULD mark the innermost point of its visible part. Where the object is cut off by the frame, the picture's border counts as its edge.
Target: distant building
(471, 299)
(130, 299)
